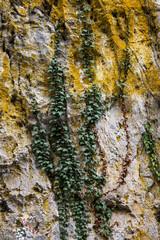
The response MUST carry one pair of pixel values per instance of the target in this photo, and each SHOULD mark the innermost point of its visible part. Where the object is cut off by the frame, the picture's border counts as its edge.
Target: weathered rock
(27, 47)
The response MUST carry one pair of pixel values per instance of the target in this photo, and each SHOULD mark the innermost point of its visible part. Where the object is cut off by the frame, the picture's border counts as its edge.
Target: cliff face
(27, 46)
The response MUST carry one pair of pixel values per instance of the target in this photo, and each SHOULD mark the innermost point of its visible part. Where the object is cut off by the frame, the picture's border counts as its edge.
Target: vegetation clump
(150, 147)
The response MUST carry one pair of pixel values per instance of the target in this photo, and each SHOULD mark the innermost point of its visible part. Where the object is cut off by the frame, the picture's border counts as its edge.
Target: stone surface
(27, 47)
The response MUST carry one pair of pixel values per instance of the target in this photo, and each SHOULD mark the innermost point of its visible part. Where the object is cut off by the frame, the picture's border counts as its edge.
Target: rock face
(27, 47)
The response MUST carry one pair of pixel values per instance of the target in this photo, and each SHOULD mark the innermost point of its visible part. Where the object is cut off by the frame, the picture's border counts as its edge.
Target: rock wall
(27, 47)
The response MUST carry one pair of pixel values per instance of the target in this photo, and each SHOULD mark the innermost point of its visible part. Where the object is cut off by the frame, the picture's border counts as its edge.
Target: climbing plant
(68, 173)
(150, 147)
(91, 114)
(40, 144)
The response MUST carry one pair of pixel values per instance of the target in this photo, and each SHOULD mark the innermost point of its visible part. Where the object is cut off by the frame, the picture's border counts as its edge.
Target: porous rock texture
(27, 47)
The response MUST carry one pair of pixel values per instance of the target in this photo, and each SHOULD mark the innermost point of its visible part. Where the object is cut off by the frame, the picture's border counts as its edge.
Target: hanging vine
(40, 144)
(68, 173)
(88, 139)
(150, 147)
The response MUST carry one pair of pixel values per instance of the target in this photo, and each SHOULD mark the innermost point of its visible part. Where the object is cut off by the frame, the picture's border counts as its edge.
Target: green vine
(40, 144)
(93, 111)
(103, 215)
(123, 66)
(68, 173)
(150, 147)
(77, 185)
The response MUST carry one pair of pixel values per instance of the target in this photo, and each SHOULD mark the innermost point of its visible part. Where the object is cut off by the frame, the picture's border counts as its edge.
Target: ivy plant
(150, 147)
(40, 144)
(68, 173)
(91, 114)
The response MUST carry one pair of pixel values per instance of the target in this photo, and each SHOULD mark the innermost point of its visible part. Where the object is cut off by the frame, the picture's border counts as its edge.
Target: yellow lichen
(142, 235)
(22, 11)
(109, 27)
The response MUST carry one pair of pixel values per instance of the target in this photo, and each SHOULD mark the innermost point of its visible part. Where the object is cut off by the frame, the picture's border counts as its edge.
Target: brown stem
(126, 161)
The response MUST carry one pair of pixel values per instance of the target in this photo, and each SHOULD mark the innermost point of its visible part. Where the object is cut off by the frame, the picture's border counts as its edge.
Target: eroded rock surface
(27, 47)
